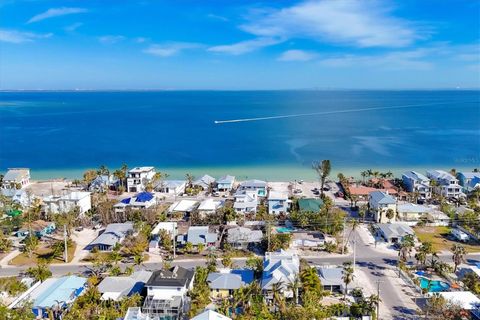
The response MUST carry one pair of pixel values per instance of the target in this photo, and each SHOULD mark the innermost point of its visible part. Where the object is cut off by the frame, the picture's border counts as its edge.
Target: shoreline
(267, 173)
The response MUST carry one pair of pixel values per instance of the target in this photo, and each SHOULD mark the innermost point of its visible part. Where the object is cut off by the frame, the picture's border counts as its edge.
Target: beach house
(393, 232)
(209, 206)
(116, 288)
(198, 235)
(15, 179)
(331, 278)
(469, 180)
(114, 234)
(279, 267)
(445, 184)
(138, 178)
(171, 187)
(80, 200)
(243, 238)
(246, 201)
(380, 203)
(204, 182)
(167, 293)
(103, 182)
(310, 205)
(52, 294)
(225, 183)
(278, 202)
(142, 200)
(259, 186)
(223, 283)
(409, 212)
(417, 183)
(39, 228)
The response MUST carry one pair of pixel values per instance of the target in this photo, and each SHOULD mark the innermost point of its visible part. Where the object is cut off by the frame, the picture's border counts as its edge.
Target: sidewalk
(8, 257)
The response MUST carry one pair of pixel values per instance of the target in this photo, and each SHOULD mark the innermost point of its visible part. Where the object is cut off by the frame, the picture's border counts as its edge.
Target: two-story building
(259, 186)
(445, 184)
(142, 200)
(64, 203)
(469, 180)
(246, 201)
(14, 180)
(279, 267)
(380, 203)
(278, 202)
(225, 183)
(138, 178)
(417, 183)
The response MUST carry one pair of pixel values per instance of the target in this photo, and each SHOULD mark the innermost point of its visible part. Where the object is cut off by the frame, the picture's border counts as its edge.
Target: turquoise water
(60, 134)
(285, 230)
(435, 285)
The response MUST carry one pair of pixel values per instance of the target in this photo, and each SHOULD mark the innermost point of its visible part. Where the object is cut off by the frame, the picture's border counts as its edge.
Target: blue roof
(144, 197)
(126, 200)
(64, 289)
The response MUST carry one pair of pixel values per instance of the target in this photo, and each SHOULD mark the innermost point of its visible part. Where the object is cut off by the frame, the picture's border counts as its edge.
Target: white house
(469, 180)
(209, 206)
(184, 205)
(246, 201)
(410, 212)
(259, 186)
(394, 232)
(380, 202)
(447, 185)
(64, 203)
(142, 200)
(15, 179)
(204, 182)
(225, 183)
(116, 288)
(138, 178)
(417, 182)
(171, 187)
(279, 267)
(278, 202)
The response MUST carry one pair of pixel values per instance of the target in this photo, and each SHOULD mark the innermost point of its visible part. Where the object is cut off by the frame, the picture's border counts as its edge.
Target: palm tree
(390, 214)
(30, 244)
(347, 276)
(323, 170)
(459, 252)
(188, 247)
(294, 285)
(277, 294)
(200, 247)
(189, 177)
(406, 246)
(138, 258)
(40, 272)
(364, 175)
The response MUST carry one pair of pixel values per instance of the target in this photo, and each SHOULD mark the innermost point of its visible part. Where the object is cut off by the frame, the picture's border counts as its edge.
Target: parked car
(460, 235)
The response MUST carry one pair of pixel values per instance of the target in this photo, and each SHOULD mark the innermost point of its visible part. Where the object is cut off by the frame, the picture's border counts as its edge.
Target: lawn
(439, 237)
(42, 252)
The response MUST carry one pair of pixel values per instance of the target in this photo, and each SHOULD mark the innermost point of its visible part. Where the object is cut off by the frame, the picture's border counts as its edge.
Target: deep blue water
(176, 129)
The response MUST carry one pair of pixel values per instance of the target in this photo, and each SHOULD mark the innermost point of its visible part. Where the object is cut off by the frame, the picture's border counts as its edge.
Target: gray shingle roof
(113, 234)
(382, 197)
(395, 230)
(175, 277)
(230, 281)
(16, 174)
(244, 235)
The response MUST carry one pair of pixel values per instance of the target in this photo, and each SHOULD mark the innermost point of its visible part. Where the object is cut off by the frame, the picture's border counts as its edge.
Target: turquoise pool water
(435, 285)
(284, 229)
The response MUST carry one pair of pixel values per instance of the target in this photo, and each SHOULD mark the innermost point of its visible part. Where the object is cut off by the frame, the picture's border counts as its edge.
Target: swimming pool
(433, 285)
(284, 229)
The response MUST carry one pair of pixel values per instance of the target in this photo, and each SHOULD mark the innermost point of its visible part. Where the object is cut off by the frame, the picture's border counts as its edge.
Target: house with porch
(15, 179)
(331, 278)
(139, 177)
(469, 180)
(64, 203)
(246, 201)
(416, 182)
(445, 184)
(204, 182)
(279, 267)
(225, 183)
(199, 235)
(171, 187)
(380, 203)
(114, 234)
(210, 206)
(278, 202)
(223, 283)
(259, 186)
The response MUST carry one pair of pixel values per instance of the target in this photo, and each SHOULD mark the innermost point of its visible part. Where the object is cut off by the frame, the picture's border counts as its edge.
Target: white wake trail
(330, 112)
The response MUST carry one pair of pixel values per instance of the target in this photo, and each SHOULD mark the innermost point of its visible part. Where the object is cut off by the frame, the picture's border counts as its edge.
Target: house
(417, 183)
(310, 205)
(103, 182)
(142, 200)
(51, 294)
(380, 202)
(199, 235)
(223, 283)
(242, 238)
(225, 183)
(209, 206)
(114, 234)
(167, 293)
(331, 278)
(410, 212)
(464, 299)
(210, 315)
(138, 178)
(65, 203)
(308, 239)
(469, 180)
(171, 187)
(39, 228)
(204, 182)
(279, 267)
(116, 288)
(169, 226)
(259, 186)
(185, 206)
(278, 202)
(15, 179)
(246, 201)
(393, 232)
(446, 184)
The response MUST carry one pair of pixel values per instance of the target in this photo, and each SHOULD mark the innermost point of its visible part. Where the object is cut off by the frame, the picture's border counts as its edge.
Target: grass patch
(440, 238)
(42, 252)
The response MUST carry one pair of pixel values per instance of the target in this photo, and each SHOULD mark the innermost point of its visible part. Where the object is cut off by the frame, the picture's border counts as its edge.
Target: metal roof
(174, 277)
(113, 233)
(16, 174)
(231, 280)
(62, 289)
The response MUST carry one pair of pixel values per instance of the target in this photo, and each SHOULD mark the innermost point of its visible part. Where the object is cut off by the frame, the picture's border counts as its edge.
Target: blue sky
(239, 44)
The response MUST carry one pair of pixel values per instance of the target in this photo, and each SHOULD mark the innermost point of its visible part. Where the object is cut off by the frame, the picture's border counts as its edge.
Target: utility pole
(378, 296)
(268, 235)
(174, 239)
(65, 239)
(354, 251)
(343, 234)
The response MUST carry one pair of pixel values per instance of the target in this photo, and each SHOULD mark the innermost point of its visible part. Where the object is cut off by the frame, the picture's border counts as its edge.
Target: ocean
(60, 134)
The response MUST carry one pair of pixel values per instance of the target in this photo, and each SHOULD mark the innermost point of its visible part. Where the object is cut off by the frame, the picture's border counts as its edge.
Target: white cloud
(110, 39)
(170, 49)
(296, 55)
(245, 46)
(73, 27)
(140, 40)
(358, 23)
(56, 12)
(216, 17)
(14, 36)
